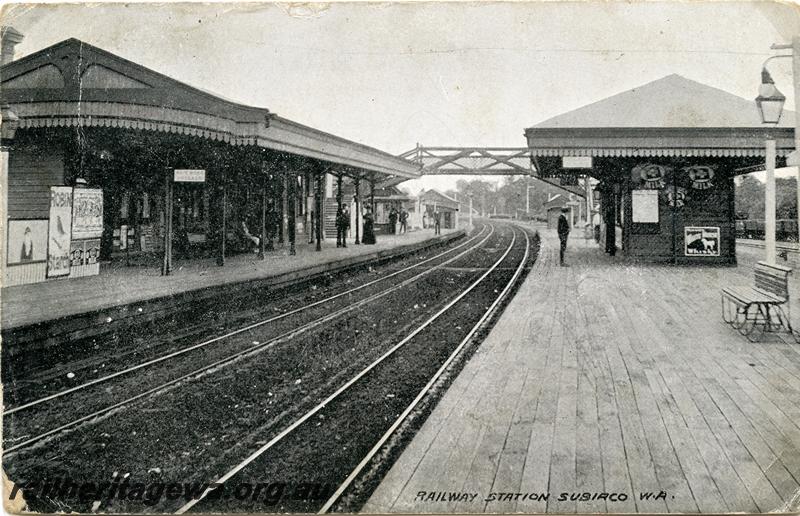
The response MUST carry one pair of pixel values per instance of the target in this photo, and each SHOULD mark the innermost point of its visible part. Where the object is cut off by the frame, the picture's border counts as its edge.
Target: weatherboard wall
(665, 241)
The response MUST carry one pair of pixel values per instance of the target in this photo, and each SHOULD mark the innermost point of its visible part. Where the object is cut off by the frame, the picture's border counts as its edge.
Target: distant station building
(432, 200)
(554, 206)
(665, 155)
(97, 144)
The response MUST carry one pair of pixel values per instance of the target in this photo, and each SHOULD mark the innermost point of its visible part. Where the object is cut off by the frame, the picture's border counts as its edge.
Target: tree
(749, 198)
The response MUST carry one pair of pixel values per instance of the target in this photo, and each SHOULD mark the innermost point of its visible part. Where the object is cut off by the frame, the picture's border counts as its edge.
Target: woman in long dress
(369, 229)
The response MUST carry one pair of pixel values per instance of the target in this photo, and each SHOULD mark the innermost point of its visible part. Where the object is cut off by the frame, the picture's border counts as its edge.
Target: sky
(392, 75)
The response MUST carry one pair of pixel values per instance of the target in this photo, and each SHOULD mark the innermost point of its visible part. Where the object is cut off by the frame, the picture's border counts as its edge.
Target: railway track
(341, 397)
(17, 397)
(270, 389)
(229, 359)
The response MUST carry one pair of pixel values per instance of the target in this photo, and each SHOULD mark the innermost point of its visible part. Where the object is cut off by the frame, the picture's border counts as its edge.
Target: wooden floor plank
(614, 376)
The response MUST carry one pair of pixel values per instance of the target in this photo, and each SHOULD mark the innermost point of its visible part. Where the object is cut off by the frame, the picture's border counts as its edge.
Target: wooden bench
(760, 308)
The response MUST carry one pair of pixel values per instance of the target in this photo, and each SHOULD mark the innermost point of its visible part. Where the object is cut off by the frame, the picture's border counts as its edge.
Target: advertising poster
(84, 252)
(645, 206)
(58, 243)
(76, 253)
(87, 213)
(701, 241)
(27, 241)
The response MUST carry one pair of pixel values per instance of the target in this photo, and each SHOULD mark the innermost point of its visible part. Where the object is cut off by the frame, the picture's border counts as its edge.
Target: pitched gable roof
(672, 116)
(74, 83)
(92, 74)
(670, 102)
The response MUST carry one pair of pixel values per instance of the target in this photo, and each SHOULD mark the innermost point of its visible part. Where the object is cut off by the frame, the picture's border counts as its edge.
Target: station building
(665, 155)
(432, 200)
(85, 125)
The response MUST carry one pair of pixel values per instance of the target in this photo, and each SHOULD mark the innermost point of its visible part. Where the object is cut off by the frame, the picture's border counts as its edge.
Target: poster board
(701, 241)
(27, 241)
(59, 231)
(87, 213)
(644, 204)
(85, 257)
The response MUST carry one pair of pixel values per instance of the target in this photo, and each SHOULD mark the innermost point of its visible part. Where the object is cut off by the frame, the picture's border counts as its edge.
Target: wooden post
(282, 202)
(769, 204)
(318, 192)
(262, 244)
(223, 229)
(372, 195)
(339, 191)
(166, 267)
(357, 184)
(675, 217)
(271, 190)
(291, 185)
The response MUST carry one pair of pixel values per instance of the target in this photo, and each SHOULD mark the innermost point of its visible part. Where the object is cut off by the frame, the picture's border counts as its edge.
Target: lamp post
(770, 103)
(528, 188)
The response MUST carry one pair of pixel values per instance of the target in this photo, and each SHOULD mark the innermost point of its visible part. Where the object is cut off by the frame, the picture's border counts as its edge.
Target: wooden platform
(612, 377)
(119, 285)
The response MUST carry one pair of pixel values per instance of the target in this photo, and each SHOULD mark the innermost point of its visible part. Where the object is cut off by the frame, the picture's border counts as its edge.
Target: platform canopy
(672, 116)
(73, 83)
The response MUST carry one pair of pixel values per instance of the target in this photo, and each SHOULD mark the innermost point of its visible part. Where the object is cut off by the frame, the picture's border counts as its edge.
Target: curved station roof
(73, 83)
(672, 116)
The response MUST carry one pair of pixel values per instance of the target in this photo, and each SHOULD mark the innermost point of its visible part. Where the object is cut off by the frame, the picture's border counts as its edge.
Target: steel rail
(229, 334)
(231, 359)
(399, 421)
(298, 422)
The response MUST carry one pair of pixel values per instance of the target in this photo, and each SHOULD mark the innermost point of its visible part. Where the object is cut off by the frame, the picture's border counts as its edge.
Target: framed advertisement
(701, 241)
(59, 231)
(87, 213)
(27, 241)
(84, 252)
(644, 204)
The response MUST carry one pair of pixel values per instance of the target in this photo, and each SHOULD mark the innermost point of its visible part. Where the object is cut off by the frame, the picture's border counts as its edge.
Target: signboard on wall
(27, 241)
(189, 175)
(701, 241)
(87, 213)
(645, 206)
(59, 231)
(576, 162)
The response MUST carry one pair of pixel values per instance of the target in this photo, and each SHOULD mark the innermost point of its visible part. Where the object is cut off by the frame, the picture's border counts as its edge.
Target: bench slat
(752, 295)
(781, 268)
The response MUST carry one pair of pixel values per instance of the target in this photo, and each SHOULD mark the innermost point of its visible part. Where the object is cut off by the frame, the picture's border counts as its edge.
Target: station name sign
(576, 162)
(190, 175)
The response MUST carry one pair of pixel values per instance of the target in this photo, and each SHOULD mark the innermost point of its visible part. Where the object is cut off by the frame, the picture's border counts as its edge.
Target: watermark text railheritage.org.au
(150, 493)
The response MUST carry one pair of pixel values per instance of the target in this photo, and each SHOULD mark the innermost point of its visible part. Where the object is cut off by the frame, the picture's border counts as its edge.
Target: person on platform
(596, 226)
(403, 220)
(425, 219)
(437, 222)
(369, 227)
(393, 221)
(342, 225)
(563, 234)
(249, 236)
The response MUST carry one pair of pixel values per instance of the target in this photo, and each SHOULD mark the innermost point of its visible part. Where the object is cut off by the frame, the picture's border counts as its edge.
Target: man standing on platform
(393, 221)
(437, 222)
(403, 220)
(563, 234)
(342, 225)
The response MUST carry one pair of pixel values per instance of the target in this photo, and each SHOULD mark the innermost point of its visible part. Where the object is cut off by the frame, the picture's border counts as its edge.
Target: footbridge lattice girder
(482, 161)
